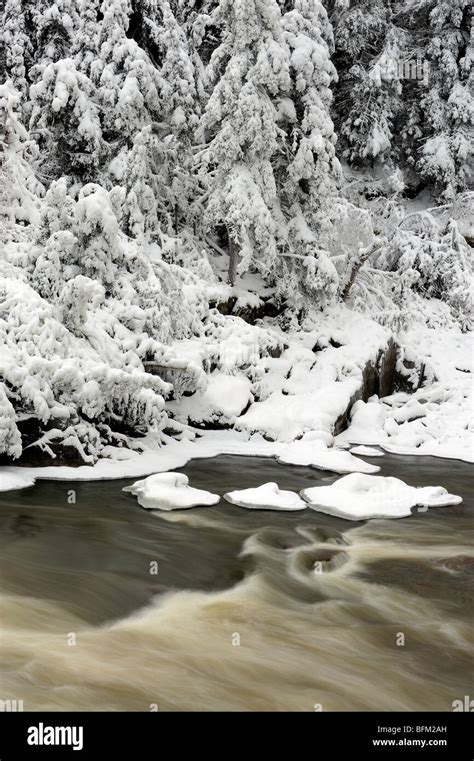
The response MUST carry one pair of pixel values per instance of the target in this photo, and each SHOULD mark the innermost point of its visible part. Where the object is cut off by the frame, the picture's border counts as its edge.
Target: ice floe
(266, 497)
(360, 497)
(170, 491)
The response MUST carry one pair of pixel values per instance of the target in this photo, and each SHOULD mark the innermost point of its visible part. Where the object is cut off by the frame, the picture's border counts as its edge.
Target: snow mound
(224, 399)
(11, 479)
(314, 453)
(169, 491)
(118, 454)
(303, 391)
(367, 451)
(361, 497)
(266, 497)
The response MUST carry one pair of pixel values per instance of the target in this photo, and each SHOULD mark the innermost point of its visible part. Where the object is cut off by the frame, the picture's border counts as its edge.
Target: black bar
(154, 735)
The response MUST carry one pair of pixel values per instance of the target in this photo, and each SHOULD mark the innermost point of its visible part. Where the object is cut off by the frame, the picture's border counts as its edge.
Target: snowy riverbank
(301, 395)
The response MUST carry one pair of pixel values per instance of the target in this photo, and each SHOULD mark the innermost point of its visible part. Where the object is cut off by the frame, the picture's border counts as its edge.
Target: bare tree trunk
(233, 261)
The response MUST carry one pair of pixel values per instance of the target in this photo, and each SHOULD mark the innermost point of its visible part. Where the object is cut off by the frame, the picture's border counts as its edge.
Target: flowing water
(106, 606)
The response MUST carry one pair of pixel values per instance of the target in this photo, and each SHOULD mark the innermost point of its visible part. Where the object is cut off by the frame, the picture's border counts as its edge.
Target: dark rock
(277, 351)
(377, 378)
(250, 314)
(35, 457)
(182, 381)
(224, 307)
(403, 378)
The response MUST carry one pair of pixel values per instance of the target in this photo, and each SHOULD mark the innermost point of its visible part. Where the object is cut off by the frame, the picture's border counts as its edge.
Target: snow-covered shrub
(10, 439)
(83, 238)
(306, 277)
(419, 258)
(66, 379)
(153, 185)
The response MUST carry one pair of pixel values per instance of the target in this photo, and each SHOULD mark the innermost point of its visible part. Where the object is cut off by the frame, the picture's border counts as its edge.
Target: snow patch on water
(266, 497)
(170, 491)
(361, 497)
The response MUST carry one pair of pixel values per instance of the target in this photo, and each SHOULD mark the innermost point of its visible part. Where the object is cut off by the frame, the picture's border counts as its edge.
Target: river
(106, 606)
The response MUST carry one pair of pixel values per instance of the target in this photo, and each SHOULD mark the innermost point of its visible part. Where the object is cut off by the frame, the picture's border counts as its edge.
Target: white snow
(315, 453)
(306, 391)
(170, 491)
(163, 453)
(266, 497)
(118, 453)
(437, 419)
(366, 451)
(14, 478)
(225, 397)
(361, 497)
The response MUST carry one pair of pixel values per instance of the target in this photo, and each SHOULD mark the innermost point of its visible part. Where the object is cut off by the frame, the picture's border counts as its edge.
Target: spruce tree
(446, 158)
(369, 48)
(16, 45)
(127, 80)
(309, 169)
(65, 119)
(20, 190)
(250, 71)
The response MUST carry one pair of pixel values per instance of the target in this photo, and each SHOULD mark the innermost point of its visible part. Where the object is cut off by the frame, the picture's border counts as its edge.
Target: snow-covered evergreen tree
(307, 182)
(54, 23)
(145, 188)
(314, 166)
(85, 47)
(127, 80)
(250, 69)
(20, 191)
(156, 170)
(178, 86)
(17, 46)
(446, 159)
(65, 120)
(369, 49)
(404, 96)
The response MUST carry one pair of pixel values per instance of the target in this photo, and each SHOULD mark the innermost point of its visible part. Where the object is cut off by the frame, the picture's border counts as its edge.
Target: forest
(215, 213)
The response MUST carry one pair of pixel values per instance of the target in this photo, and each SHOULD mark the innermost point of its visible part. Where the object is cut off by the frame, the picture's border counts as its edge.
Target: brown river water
(105, 606)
